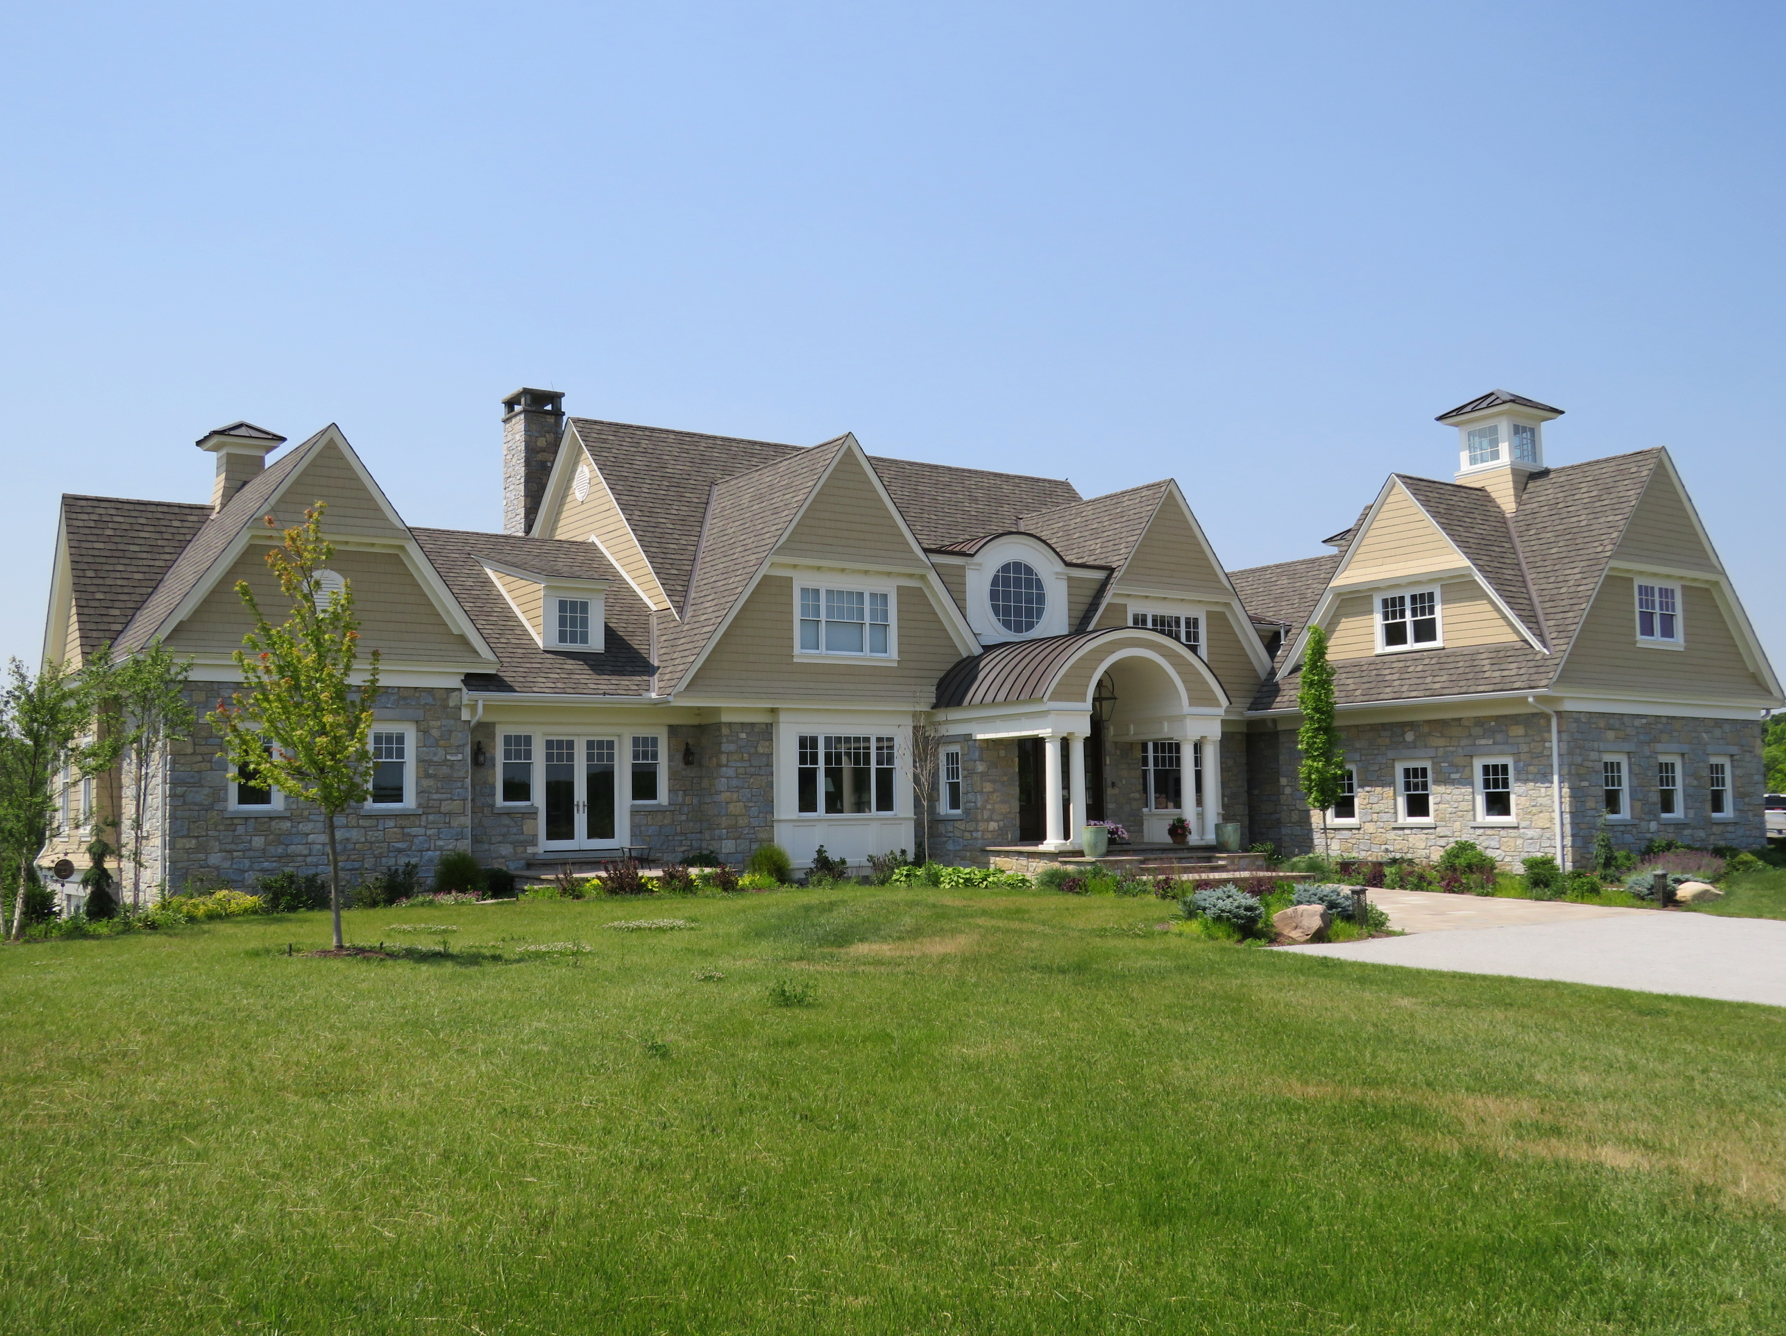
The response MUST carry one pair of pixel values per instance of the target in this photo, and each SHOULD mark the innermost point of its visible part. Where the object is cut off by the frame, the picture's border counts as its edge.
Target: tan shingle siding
(1171, 560)
(754, 659)
(396, 617)
(1467, 614)
(1081, 590)
(1227, 657)
(954, 578)
(1401, 543)
(1115, 613)
(598, 514)
(1607, 657)
(526, 596)
(848, 521)
(1075, 684)
(1661, 531)
(352, 510)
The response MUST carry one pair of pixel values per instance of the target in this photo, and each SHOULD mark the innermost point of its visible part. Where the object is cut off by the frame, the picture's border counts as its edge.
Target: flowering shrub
(1119, 833)
(219, 904)
(1690, 863)
(676, 880)
(623, 878)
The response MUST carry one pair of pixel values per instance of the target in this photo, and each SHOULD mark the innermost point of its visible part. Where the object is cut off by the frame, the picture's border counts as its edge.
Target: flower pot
(1184, 837)
(1227, 836)
(1095, 841)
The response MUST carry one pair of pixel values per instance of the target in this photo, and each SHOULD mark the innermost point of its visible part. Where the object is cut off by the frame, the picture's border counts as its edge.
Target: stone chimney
(1500, 439)
(532, 423)
(241, 449)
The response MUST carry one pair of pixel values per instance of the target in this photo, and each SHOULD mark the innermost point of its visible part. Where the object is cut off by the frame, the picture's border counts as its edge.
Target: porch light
(688, 753)
(1103, 701)
(477, 754)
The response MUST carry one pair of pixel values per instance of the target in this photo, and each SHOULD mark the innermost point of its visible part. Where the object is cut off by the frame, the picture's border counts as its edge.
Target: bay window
(844, 774)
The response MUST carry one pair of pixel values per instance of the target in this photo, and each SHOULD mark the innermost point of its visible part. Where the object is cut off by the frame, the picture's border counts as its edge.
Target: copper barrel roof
(1017, 670)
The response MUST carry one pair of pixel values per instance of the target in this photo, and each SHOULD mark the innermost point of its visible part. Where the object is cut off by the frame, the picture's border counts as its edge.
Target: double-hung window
(1717, 788)
(1162, 776)
(1345, 807)
(647, 769)
(1407, 621)
(1184, 627)
(250, 789)
(1494, 788)
(949, 799)
(845, 621)
(846, 774)
(517, 768)
(1668, 788)
(1612, 783)
(1658, 613)
(1414, 791)
(393, 768)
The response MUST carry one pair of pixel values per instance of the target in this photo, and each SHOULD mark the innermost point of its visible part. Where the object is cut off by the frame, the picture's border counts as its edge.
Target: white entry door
(582, 807)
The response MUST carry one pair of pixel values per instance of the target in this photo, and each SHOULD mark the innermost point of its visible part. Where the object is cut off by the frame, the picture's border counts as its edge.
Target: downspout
(1556, 781)
(470, 746)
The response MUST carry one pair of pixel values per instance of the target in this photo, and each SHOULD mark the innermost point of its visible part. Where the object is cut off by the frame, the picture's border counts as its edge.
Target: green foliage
(1642, 884)
(1605, 854)
(499, 883)
(1744, 862)
(676, 880)
(1318, 864)
(217, 905)
(144, 706)
(701, 858)
(721, 878)
(1582, 885)
(40, 902)
(1226, 904)
(757, 881)
(1544, 877)
(792, 993)
(1053, 878)
(827, 871)
(1663, 846)
(1321, 772)
(1466, 856)
(959, 878)
(300, 721)
(622, 878)
(291, 892)
(97, 880)
(882, 868)
(458, 870)
(388, 887)
(1773, 753)
(1337, 899)
(771, 861)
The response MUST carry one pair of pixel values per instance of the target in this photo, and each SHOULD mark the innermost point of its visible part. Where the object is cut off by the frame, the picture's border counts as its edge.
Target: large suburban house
(685, 642)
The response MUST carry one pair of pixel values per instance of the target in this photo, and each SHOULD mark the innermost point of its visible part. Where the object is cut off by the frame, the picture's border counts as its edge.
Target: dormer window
(1485, 444)
(845, 621)
(1018, 596)
(1659, 613)
(573, 621)
(1408, 620)
(1525, 443)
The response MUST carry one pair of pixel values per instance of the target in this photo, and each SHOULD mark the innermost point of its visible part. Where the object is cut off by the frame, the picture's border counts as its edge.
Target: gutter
(1556, 780)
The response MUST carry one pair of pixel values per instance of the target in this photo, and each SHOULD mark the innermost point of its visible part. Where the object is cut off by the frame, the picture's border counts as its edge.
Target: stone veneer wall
(208, 843)
(988, 801)
(1450, 746)
(724, 803)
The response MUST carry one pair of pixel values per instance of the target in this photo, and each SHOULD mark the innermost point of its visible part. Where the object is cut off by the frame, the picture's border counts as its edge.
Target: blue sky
(1253, 247)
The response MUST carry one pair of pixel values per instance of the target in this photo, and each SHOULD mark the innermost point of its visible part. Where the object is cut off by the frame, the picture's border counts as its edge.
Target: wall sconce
(477, 754)
(688, 753)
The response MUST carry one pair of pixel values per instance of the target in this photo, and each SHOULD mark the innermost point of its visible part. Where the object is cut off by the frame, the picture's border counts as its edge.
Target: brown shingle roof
(623, 668)
(747, 516)
(118, 551)
(1474, 520)
(1101, 531)
(1418, 673)
(210, 542)
(1285, 592)
(944, 504)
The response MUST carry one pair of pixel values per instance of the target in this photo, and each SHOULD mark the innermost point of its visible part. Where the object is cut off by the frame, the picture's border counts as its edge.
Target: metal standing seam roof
(1020, 670)
(1495, 399)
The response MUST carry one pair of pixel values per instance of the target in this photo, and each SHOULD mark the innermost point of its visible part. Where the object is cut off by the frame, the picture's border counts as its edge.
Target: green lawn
(1002, 1112)
(1751, 895)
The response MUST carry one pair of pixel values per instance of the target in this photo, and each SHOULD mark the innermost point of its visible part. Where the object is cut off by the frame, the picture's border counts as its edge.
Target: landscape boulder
(1697, 893)
(1301, 923)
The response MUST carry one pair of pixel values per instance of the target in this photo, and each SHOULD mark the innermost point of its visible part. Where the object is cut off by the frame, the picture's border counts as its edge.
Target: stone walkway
(1652, 951)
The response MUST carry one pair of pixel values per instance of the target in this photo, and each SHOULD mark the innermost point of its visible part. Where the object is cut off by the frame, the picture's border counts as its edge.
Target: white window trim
(277, 805)
(852, 585)
(1625, 817)
(411, 764)
(1680, 613)
(1152, 608)
(942, 780)
(1729, 763)
(1408, 591)
(1482, 816)
(663, 767)
(496, 762)
(1401, 798)
(1680, 786)
(1357, 817)
(596, 598)
(901, 768)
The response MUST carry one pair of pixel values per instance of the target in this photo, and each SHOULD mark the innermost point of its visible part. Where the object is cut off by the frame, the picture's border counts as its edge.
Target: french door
(582, 807)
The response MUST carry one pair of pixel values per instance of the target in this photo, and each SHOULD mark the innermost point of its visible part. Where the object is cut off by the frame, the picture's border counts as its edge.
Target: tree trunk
(1326, 848)
(334, 881)
(18, 904)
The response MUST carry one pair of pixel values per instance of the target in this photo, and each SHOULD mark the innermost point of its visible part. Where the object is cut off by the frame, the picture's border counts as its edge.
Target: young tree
(299, 721)
(42, 719)
(1323, 768)
(147, 708)
(1773, 751)
(927, 759)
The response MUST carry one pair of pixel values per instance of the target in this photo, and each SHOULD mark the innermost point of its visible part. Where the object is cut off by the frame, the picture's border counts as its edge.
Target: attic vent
(327, 583)
(581, 485)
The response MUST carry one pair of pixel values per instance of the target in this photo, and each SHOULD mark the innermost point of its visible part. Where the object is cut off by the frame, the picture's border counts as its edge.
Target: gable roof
(946, 505)
(1285, 593)
(1475, 523)
(1494, 399)
(118, 552)
(1102, 531)
(746, 518)
(623, 668)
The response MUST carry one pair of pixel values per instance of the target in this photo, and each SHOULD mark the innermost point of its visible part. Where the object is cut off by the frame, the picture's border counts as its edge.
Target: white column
(1187, 786)
(1076, 789)
(1212, 784)
(1051, 793)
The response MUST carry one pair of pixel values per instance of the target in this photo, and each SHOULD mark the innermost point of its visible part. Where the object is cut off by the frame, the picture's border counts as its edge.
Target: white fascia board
(516, 609)
(535, 577)
(55, 630)
(1403, 581)
(796, 567)
(1670, 708)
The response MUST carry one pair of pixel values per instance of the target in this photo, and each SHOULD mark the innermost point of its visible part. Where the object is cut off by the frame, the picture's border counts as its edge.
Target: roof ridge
(680, 431)
(1294, 561)
(963, 468)
(136, 500)
(1102, 496)
(805, 452)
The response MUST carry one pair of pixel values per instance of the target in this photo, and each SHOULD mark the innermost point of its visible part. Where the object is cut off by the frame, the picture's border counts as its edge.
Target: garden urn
(1095, 840)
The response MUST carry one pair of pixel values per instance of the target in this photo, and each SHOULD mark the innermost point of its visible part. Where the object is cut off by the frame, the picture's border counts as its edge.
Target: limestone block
(1697, 893)
(1301, 923)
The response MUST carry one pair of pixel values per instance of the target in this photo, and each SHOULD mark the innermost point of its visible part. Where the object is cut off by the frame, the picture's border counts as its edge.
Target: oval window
(1019, 598)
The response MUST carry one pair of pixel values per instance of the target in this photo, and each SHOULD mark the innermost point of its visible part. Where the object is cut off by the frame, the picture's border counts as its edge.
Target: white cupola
(1500, 442)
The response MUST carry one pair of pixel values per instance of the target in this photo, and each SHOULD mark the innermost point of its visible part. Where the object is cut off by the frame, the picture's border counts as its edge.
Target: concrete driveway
(1652, 951)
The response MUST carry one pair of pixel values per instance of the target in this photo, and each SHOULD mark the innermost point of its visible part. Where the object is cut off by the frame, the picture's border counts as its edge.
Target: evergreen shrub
(457, 870)
(291, 892)
(772, 861)
(1544, 877)
(1226, 904)
(499, 883)
(1337, 899)
(1466, 856)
